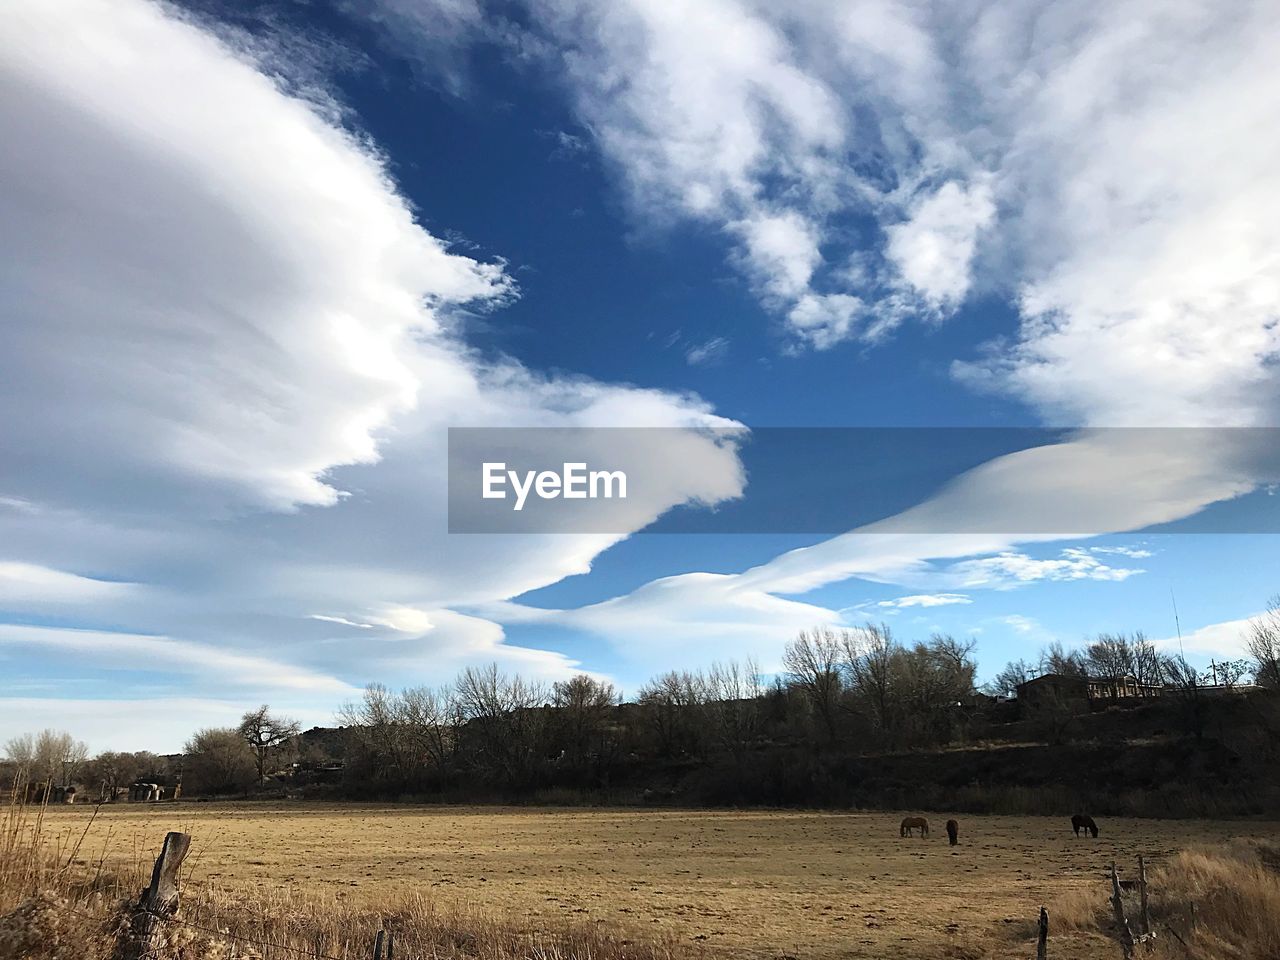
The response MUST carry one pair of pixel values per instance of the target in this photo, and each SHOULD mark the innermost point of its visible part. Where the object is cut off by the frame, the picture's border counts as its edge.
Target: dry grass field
(757, 883)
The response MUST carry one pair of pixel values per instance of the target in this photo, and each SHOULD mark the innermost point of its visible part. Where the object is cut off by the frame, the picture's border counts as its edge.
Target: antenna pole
(1177, 623)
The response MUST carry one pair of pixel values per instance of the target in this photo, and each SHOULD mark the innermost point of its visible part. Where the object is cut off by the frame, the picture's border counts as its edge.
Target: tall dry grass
(57, 902)
(1220, 903)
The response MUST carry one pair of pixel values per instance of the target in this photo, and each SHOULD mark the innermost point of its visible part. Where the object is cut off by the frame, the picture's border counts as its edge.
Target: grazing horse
(953, 832)
(1081, 822)
(912, 823)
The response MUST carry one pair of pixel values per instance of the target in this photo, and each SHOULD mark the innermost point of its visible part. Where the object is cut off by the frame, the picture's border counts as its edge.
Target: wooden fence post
(1123, 933)
(377, 945)
(158, 902)
(1042, 944)
(1144, 913)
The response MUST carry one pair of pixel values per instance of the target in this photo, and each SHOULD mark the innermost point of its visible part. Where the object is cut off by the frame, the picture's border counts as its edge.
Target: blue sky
(270, 252)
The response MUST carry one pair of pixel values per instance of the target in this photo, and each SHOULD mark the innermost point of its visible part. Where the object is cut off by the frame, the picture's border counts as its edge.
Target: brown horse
(953, 832)
(1081, 822)
(914, 823)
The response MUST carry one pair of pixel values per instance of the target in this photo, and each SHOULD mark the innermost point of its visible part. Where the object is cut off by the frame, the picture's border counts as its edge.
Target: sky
(259, 257)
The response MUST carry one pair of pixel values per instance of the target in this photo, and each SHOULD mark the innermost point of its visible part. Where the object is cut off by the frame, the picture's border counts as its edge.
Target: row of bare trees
(856, 688)
(901, 694)
(48, 756)
(55, 756)
(508, 731)
(1110, 656)
(486, 723)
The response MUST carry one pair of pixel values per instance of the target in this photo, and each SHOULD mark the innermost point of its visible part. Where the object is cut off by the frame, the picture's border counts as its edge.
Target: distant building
(1053, 687)
(1067, 688)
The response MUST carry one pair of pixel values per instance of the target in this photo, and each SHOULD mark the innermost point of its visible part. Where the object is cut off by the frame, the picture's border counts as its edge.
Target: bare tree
(672, 706)
(503, 714)
(219, 761)
(430, 719)
(932, 682)
(1068, 663)
(111, 770)
(266, 736)
(1148, 664)
(1014, 675)
(21, 752)
(813, 660)
(1228, 673)
(381, 740)
(1263, 644)
(872, 659)
(733, 703)
(583, 705)
(50, 755)
(1109, 658)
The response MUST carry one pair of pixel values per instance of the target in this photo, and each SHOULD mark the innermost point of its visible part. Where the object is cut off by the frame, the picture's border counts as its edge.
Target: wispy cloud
(1022, 624)
(1012, 568)
(127, 651)
(1133, 553)
(925, 600)
(710, 352)
(23, 584)
(565, 145)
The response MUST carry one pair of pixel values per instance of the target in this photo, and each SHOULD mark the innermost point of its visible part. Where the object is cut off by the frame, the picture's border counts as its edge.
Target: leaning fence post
(1123, 933)
(377, 945)
(159, 901)
(1042, 944)
(1145, 915)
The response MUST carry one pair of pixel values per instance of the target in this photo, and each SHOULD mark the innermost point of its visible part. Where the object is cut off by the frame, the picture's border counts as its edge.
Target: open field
(761, 883)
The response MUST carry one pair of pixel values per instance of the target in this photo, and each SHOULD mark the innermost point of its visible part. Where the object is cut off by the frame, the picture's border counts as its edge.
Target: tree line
(859, 691)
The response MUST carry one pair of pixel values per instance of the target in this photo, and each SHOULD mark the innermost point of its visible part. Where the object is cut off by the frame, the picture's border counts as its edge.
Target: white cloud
(341, 620)
(1092, 482)
(125, 651)
(926, 600)
(1125, 146)
(1021, 624)
(245, 281)
(233, 352)
(30, 585)
(933, 249)
(1012, 569)
(780, 251)
(825, 319)
(1225, 639)
(710, 352)
(1133, 553)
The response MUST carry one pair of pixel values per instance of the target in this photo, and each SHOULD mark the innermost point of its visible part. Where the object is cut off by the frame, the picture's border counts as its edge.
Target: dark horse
(953, 832)
(1080, 821)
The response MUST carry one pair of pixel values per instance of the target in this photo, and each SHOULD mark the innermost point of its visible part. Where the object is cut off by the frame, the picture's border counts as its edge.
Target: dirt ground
(761, 883)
